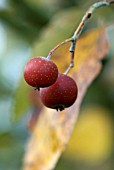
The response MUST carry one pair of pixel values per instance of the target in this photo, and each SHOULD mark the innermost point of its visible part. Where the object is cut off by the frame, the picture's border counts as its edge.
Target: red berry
(61, 94)
(40, 72)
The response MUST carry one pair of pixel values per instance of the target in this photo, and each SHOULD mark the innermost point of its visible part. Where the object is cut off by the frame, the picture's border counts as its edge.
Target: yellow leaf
(52, 129)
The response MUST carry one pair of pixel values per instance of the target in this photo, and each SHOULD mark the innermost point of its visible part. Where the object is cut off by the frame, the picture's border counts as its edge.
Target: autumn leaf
(53, 129)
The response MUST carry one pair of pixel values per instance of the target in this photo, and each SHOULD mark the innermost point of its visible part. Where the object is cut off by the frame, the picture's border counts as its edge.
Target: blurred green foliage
(24, 23)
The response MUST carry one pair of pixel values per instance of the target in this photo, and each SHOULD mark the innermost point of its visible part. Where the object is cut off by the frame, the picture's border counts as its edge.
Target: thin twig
(58, 45)
(71, 64)
(78, 31)
(84, 20)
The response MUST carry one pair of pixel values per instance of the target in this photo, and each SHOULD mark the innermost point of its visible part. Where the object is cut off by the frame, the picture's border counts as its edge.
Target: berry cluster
(57, 91)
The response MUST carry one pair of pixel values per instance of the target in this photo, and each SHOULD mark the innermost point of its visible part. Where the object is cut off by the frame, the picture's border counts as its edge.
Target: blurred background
(23, 24)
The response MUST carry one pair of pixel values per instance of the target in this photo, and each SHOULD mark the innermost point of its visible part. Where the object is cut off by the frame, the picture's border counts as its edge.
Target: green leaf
(21, 101)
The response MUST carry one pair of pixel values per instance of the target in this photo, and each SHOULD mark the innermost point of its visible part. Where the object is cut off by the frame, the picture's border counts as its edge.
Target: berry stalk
(78, 31)
(58, 45)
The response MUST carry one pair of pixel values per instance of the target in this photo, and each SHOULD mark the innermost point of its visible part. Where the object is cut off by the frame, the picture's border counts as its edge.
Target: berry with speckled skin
(61, 94)
(40, 72)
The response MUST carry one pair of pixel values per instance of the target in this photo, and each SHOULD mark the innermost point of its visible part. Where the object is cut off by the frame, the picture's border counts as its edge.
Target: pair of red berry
(58, 91)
